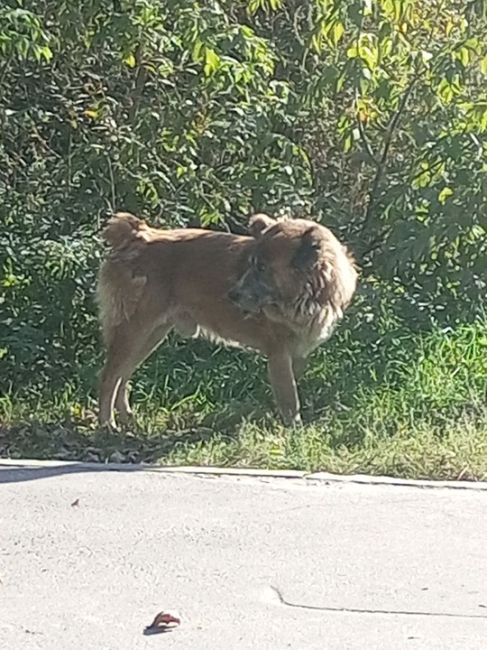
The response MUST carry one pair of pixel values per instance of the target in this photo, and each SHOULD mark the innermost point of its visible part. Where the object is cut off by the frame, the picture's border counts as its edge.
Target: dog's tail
(123, 228)
(119, 290)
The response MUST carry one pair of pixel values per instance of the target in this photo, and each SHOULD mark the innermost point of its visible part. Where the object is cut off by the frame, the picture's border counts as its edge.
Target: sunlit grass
(408, 405)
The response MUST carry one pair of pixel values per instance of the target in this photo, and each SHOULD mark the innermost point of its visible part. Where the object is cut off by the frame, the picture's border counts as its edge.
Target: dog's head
(280, 262)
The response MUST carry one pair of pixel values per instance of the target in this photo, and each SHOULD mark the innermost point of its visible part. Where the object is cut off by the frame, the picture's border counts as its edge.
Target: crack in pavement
(358, 610)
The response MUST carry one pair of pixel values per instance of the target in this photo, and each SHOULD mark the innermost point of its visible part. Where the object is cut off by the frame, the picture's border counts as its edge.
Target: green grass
(392, 402)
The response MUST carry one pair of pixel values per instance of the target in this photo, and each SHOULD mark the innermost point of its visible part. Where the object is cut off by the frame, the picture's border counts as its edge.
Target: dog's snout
(234, 295)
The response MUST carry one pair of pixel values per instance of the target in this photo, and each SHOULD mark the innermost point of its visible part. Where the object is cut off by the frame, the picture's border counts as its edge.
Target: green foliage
(370, 115)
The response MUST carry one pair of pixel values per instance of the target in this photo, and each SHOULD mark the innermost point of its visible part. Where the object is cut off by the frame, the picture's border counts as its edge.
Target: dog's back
(187, 269)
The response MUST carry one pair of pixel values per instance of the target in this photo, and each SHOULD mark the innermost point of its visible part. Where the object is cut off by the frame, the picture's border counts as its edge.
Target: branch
(5, 66)
(383, 159)
(113, 206)
(366, 143)
(361, 130)
(375, 243)
(140, 80)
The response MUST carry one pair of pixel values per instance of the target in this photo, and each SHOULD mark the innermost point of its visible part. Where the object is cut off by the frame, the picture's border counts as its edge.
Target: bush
(370, 116)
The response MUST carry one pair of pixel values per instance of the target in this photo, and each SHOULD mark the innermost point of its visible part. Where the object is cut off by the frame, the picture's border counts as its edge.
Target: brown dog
(279, 291)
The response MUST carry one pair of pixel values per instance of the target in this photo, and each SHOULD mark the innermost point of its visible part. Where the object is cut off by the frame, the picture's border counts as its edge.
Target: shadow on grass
(150, 438)
(72, 441)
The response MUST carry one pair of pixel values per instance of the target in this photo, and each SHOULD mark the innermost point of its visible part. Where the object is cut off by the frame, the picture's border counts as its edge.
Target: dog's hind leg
(185, 326)
(122, 404)
(111, 377)
(130, 344)
(150, 345)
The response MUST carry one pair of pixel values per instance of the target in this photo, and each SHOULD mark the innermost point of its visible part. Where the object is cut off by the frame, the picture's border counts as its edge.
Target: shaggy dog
(280, 291)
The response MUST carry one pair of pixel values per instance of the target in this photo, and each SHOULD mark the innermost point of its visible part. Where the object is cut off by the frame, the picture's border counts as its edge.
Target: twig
(375, 243)
(361, 130)
(5, 67)
(112, 185)
(295, 20)
(383, 159)
(140, 80)
(70, 157)
(366, 143)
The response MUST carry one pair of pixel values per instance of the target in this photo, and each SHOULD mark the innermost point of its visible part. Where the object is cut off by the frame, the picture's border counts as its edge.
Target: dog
(280, 291)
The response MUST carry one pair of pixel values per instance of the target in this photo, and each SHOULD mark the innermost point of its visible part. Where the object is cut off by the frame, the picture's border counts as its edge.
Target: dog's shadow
(225, 424)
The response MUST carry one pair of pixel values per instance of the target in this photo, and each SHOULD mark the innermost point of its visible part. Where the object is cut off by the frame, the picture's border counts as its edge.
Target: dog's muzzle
(243, 301)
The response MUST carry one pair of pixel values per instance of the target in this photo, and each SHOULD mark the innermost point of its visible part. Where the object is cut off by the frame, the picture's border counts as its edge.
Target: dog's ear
(259, 222)
(309, 249)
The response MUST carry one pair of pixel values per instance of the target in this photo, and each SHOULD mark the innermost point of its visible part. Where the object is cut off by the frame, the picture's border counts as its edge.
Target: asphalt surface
(88, 558)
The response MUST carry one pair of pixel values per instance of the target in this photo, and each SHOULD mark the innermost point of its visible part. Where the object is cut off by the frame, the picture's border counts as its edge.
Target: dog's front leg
(299, 366)
(284, 387)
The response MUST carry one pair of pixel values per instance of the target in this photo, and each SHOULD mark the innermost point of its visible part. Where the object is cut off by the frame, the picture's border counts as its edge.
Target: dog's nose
(234, 295)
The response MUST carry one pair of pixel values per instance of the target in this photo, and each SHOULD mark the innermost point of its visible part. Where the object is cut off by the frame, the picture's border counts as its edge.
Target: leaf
(445, 193)
(130, 60)
(23, 46)
(352, 52)
(464, 56)
(337, 32)
(197, 48)
(368, 8)
(213, 62)
(445, 91)
(483, 65)
(253, 6)
(46, 53)
(316, 42)
(347, 143)
(340, 81)
(369, 55)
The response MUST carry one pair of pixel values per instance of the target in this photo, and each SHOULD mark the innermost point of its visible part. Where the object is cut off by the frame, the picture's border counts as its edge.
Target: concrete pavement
(247, 562)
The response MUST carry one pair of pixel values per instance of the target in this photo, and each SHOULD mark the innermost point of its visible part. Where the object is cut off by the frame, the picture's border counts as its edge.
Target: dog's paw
(293, 421)
(109, 427)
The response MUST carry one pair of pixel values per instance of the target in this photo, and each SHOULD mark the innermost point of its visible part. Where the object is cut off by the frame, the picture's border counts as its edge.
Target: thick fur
(279, 291)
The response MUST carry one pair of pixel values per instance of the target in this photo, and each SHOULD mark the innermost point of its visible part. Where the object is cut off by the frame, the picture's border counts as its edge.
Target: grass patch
(397, 403)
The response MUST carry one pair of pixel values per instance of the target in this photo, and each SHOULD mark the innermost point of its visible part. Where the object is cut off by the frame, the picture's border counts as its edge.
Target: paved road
(248, 563)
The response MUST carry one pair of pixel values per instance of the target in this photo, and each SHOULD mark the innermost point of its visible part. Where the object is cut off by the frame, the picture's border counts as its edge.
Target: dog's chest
(316, 331)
